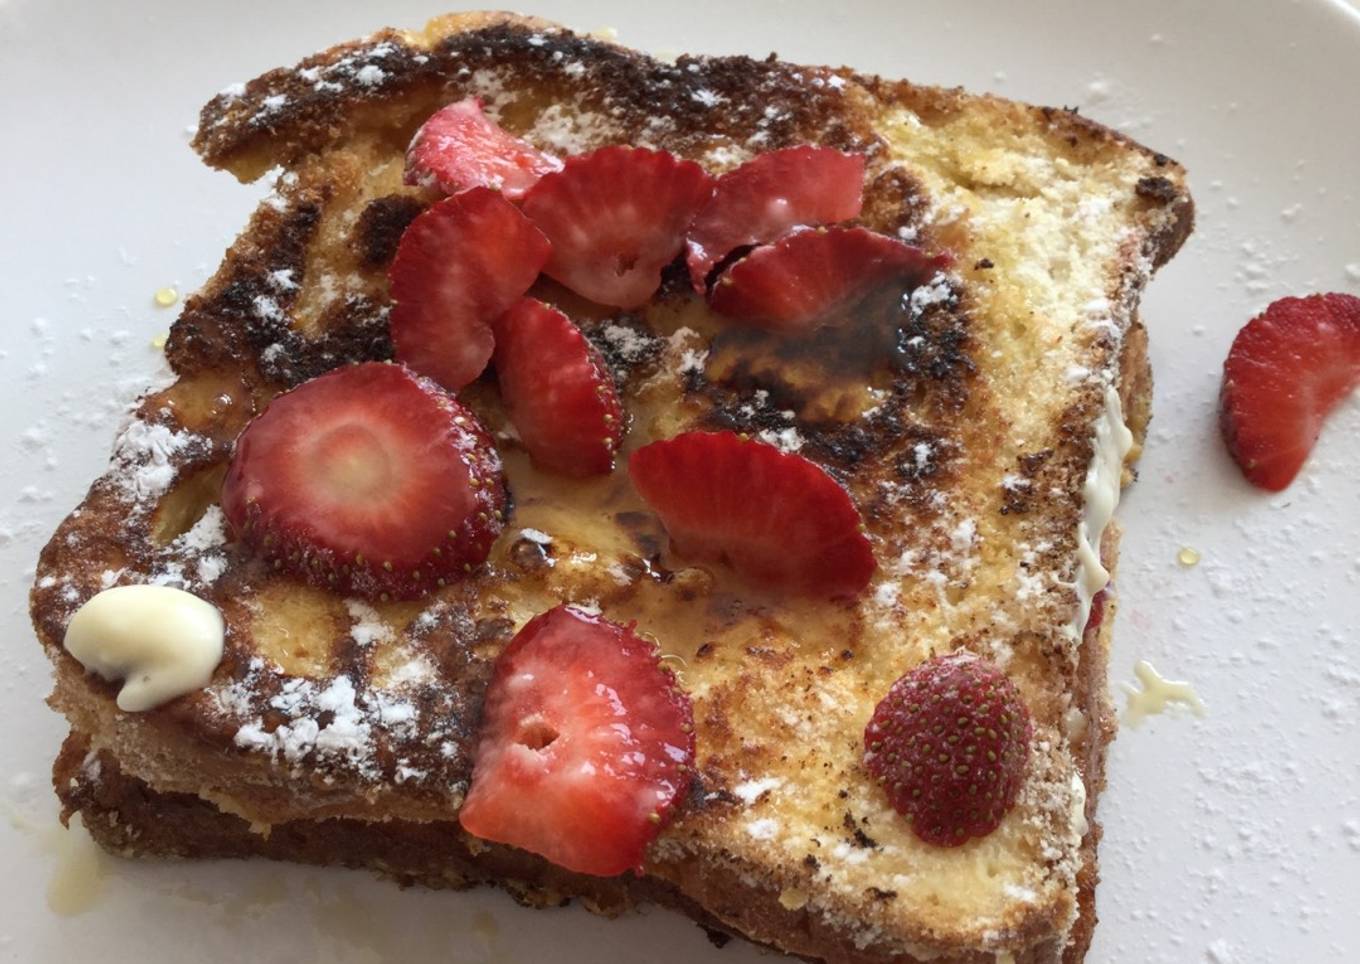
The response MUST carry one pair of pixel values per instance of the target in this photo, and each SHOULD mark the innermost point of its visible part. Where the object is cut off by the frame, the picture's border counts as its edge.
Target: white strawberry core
(352, 463)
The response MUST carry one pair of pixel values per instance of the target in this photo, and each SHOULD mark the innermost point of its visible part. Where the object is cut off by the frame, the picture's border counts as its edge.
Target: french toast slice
(985, 456)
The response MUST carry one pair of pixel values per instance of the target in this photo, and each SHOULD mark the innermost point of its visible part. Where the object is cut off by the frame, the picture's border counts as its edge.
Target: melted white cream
(1157, 694)
(1080, 826)
(1113, 440)
(160, 641)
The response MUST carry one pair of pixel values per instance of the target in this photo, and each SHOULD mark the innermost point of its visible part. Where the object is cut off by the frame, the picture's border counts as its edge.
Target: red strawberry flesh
(367, 480)
(615, 218)
(558, 392)
(950, 744)
(459, 266)
(459, 147)
(810, 279)
(1288, 368)
(767, 196)
(775, 517)
(586, 747)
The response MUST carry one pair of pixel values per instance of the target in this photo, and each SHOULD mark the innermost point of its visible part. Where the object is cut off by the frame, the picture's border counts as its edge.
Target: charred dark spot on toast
(1017, 489)
(1159, 189)
(857, 835)
(933, 342)
(876, 401)
(630, 349)
(896, 203)
(531, 556)
(380, 227)
(355, 331)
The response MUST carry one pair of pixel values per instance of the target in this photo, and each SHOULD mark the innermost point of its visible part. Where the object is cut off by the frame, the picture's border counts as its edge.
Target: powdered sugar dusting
(144, 461)
(369, 627)
(334, 724)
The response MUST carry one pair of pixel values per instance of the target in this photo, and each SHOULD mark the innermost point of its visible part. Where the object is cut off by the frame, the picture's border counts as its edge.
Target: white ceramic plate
(1229, 839)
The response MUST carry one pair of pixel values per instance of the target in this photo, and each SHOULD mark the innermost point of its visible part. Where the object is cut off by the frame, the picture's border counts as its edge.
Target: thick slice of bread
(984, 455)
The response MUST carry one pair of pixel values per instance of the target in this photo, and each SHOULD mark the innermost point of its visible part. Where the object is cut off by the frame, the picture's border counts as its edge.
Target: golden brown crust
(128, 818)
(338, 123)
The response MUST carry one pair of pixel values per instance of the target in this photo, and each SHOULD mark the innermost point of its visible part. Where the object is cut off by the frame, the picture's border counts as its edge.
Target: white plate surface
(1229, 839)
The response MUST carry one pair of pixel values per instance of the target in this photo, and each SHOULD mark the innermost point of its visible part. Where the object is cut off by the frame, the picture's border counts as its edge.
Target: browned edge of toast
(190, 827)
(127, 817)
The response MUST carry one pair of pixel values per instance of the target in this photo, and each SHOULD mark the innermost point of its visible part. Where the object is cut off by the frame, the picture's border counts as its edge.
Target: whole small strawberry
(950, 743)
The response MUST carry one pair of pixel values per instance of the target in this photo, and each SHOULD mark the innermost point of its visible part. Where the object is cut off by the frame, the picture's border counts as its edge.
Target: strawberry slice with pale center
(811, 279)
(459, 266)
(1288, 368)
(460, 147)
(769, 195)
(775, 517)
(558, 392)
(369, 480)
(586, 745)
(615, 218)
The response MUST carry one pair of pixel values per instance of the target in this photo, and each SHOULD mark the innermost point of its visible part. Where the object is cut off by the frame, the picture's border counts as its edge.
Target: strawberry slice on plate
(460, 147)
(558, 392)
(459, 265)
(586, 746)
(775, 517)
(615, 218)
(367, 480)
(769, 195)
(810, 279)
(1288, 368)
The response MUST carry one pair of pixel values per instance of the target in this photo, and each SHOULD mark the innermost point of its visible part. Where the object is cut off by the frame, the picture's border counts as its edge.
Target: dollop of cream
(159, 641)
(1113, 440)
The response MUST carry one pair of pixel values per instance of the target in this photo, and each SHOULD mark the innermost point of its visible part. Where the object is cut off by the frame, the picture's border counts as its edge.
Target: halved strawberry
(615, 218)
(558, 392)
(770, 194)
(1287, 369)
(460, 147)
(776, 517)
(809, 279)
(367, 480)
(950, 744)
(458, 267)
(586, 745)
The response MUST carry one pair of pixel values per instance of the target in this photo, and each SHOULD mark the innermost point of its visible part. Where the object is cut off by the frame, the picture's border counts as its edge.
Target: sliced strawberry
(558, 391)
(770, 194)
(458, 267)
(586, 745)
(460, 147)
(616, 217)
(1287, 369)
(810, 279)
(367, 480)
(777, 518)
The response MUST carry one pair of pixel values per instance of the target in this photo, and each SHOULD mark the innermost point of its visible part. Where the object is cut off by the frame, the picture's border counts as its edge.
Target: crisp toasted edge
(1160, 248)
(127, 817)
